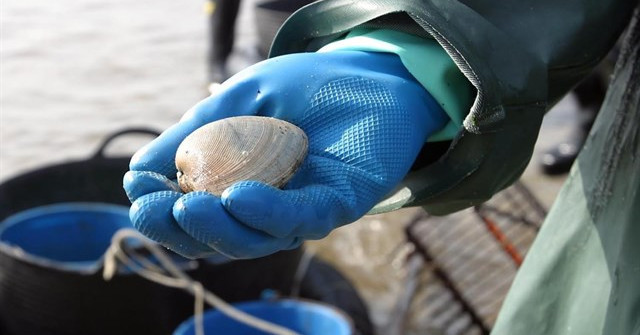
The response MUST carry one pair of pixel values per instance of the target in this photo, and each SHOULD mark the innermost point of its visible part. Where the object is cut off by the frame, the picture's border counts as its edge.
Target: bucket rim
(286, 301)
(84, 267)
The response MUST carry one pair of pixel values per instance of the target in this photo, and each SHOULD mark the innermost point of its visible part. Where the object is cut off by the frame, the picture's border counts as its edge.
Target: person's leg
(222, 18)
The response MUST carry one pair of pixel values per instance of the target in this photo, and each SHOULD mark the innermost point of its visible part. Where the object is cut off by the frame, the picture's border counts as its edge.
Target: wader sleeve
(521, 57)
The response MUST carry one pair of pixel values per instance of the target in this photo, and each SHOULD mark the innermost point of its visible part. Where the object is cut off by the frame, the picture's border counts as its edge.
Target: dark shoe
(559, 159)
(217, 73)
(590, 94)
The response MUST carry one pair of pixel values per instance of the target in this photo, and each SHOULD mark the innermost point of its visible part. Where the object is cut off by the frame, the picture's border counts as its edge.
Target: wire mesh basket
(464, 263)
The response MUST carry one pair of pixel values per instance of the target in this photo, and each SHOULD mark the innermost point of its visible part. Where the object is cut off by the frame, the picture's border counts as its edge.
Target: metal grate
(469, 259)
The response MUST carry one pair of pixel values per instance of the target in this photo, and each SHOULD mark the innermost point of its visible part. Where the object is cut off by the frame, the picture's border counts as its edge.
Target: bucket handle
(100, 152)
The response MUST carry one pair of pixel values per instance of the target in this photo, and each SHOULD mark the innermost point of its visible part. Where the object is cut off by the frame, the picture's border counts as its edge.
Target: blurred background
(73, 72)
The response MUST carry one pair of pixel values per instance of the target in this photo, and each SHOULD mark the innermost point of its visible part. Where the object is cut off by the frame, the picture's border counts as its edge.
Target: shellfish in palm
(223, 152)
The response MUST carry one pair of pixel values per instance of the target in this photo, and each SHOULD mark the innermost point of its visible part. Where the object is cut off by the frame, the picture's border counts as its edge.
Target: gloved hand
(366, 119)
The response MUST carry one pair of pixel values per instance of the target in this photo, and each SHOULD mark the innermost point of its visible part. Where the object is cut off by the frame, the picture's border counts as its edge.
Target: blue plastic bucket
(304, 317)
(69, 235)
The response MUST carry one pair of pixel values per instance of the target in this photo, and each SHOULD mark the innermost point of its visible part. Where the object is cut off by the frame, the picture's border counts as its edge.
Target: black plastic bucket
(42, 295)
(96, 179)
(50, 279)
(52, 258)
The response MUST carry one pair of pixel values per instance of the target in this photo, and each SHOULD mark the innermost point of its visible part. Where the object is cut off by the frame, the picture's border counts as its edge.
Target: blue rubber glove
(366, 119)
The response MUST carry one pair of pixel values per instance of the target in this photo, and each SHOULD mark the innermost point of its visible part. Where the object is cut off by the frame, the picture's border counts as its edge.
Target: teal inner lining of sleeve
(428, 62)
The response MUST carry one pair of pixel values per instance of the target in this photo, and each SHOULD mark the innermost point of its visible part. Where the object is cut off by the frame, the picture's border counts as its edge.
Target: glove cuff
(428, 62)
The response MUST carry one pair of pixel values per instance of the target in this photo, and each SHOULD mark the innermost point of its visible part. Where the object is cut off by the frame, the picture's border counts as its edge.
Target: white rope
(168, 274)
(301, 271)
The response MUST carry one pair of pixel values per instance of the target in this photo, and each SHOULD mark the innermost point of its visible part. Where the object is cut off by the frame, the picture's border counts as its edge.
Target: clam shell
(223, 152)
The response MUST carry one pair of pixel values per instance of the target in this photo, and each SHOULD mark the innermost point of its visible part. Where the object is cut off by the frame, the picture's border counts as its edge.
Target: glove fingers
(202, 216)
(159, 155)
(139, 183)
(152, 215)
(310, 212)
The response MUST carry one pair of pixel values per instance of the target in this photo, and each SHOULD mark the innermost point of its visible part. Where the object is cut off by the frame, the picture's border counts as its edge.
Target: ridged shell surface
(223, 152)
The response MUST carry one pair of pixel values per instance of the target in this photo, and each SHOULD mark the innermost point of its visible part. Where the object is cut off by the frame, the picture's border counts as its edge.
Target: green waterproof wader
(582, 275)
(521, 56)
